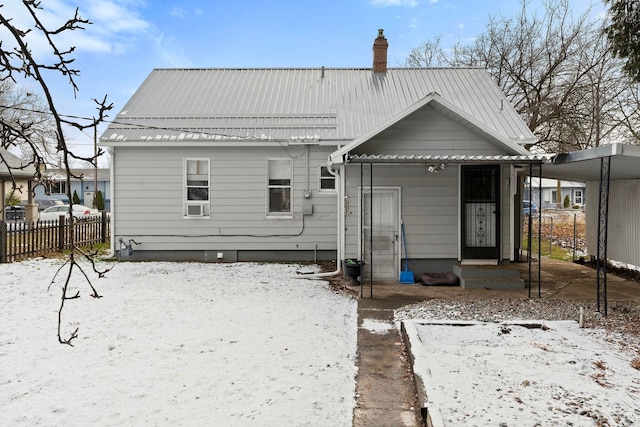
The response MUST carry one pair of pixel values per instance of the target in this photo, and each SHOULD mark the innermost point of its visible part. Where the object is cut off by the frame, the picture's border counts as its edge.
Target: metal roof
(585, 165)
(19, 168)
(84, 174)
(326, 104)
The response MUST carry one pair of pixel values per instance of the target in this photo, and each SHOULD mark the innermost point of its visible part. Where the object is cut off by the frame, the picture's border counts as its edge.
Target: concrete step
(496, 272)
(491, 283)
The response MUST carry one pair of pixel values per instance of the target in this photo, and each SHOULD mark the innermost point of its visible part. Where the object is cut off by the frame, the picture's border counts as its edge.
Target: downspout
(112, 250)
(339, 224)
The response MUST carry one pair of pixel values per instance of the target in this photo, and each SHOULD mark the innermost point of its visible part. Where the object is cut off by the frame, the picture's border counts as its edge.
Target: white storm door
(379, 238)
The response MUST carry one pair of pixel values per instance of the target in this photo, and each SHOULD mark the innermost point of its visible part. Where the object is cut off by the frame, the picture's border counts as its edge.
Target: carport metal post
(371, 229)
(603, 228)
(530, 234)
(530, 221)
(539, 227)
(362, 217)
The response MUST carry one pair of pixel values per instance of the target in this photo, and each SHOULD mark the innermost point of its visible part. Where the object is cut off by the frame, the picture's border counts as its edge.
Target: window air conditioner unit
(195, 210)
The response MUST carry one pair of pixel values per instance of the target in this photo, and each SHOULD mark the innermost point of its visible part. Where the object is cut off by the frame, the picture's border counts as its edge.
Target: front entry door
(480, 212)
(379, 238)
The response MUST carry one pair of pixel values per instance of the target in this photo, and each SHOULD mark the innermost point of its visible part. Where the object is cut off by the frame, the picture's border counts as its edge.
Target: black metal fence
(21, 240)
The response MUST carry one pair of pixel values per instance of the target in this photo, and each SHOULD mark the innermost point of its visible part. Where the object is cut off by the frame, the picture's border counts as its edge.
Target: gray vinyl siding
(624, 221)
(430, 204)
(429, 208)
(150, 199)
(428, 132)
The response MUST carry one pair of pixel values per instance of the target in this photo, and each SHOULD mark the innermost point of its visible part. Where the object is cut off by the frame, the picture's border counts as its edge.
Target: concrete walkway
(385, 389)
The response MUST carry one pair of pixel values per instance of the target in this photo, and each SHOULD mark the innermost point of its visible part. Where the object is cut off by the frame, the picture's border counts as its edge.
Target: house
(576, 191)
(83, 182)
(15, 170)
(318, 164)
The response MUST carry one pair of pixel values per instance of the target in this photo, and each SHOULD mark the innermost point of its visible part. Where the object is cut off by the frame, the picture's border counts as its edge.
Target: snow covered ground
(524, 373)
(250, 344)
(176, 344)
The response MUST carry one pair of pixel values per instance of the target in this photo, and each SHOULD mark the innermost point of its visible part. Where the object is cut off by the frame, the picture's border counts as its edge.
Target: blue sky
(129, 38)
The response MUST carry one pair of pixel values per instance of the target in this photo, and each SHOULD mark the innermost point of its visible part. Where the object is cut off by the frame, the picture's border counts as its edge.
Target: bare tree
(17, 106)
(428, 54)
(559, 73)
(18, 63)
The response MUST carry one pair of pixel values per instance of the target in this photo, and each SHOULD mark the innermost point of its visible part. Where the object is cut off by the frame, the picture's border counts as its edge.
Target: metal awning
(584, 165)
(450, 159)
(601, 164)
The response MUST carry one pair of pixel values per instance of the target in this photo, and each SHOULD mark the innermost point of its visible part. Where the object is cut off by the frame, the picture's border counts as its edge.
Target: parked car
(79, 212)
(529, 208)
(47, 203)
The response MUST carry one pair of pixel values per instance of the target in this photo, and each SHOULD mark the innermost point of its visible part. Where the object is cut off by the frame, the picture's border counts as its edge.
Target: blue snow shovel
(406, 276)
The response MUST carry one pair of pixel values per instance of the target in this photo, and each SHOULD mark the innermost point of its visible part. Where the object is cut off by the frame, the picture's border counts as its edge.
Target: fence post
(61, 239)
(103, 224)
(3, 241)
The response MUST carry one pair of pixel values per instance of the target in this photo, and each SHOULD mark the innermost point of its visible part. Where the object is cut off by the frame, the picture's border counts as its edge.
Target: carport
(600, 168)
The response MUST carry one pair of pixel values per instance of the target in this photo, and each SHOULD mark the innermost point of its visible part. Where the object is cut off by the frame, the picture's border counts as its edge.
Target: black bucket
(353, 269)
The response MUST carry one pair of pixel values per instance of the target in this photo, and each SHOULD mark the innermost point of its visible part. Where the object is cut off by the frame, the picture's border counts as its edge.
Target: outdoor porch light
(435, 168)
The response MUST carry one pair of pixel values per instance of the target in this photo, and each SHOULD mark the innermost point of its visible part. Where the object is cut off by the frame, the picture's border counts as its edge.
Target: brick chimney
(380, 47)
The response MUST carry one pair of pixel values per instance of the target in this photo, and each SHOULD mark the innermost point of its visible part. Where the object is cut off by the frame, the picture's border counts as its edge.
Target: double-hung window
(279, 176)
(577, 197)
(197, 181)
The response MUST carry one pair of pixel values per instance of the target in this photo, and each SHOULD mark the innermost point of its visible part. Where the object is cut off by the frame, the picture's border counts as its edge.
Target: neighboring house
(82, 182)
(13, 169)
(575, 190)
(21, 192)
(320, 163)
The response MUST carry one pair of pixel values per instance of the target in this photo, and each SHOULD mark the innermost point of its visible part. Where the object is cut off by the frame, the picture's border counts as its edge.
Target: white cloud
(115, 17)
(178, 12)
(385, 3)
(113, 23)
(170, 53)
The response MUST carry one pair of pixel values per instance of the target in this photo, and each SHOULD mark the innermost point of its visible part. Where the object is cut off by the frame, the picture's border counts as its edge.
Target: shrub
(567, 202)
(12, 199)
(76, 198)
(98, 201)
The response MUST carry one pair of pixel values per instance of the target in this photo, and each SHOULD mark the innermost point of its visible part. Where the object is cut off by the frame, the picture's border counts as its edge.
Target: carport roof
(584, 165)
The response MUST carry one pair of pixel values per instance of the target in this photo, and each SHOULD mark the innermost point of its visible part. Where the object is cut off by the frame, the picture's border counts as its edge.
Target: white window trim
(58, 184)
(575, 197)
(206, 204)
(278, 215)
(320, 179)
